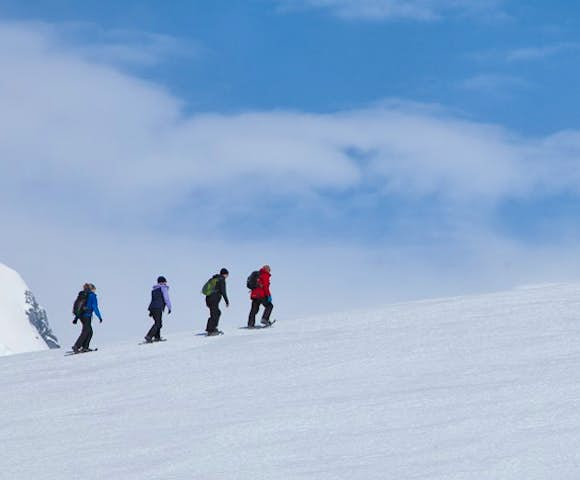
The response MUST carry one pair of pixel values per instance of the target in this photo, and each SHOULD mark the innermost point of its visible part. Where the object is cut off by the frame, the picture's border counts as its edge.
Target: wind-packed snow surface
(482, 387)
(23, 323)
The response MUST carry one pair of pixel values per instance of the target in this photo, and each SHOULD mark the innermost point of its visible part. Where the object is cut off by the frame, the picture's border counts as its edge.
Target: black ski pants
(155, 331)
(256, 302)
(86, 334)
(213, 302)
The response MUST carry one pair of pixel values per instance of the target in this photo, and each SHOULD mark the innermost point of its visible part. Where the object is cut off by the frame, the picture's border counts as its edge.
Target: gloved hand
(100, 320)
(269, 299)
(75, 320)
(168, 312)
(228, 304)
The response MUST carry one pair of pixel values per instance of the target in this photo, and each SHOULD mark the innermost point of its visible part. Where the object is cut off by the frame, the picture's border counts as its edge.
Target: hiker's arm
(95, 307)
(223, 290)
(266, 285)
(165, 291)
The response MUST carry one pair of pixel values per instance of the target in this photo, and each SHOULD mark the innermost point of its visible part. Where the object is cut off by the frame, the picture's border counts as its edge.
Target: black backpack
(80, 305)
(252, 282)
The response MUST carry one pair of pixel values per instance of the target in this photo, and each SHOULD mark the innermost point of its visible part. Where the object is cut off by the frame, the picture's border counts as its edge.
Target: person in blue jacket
(91, 306)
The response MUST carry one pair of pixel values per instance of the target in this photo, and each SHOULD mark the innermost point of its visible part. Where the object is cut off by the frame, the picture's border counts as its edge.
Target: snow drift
(468, 388)
(23, 323)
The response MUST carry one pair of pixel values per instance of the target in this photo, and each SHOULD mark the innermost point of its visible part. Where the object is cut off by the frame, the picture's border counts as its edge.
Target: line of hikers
(86, 304)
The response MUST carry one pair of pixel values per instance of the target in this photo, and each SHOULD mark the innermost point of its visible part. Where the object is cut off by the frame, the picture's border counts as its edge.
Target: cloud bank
(71, 122)
(107, 178)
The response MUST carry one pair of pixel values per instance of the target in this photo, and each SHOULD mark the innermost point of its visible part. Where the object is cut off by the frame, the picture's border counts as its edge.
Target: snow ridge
(24, 323)
(465, 388)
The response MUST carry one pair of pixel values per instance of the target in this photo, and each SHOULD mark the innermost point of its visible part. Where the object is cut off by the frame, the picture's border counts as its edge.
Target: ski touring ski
(152, 342)
(258, 327)
(71, 352)
(214, 334)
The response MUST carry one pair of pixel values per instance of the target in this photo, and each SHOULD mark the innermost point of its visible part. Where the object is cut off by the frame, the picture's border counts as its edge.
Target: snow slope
(23, 324)
(481, 387)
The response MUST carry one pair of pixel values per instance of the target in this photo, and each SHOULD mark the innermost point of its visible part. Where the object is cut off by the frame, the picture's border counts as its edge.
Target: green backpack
(210, 286)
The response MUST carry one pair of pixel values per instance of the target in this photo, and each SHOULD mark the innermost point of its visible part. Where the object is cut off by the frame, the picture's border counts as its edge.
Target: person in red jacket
(261, 295)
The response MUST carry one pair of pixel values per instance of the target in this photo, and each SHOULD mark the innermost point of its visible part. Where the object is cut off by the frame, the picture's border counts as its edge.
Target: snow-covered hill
(477, 388)
(23, 323)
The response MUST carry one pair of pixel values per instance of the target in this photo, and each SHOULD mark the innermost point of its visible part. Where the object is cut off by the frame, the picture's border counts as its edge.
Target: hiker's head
(267, 268)
(92, 287)
(87, 287)
(161, 279)
(224, 272)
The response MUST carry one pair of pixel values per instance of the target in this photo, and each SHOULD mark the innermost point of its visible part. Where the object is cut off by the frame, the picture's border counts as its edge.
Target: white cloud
(525, 54)
(119, 47)
(65, 120)
(538, 53)
(124, 47)
(498, 84)
(95, 164)
(397, 9)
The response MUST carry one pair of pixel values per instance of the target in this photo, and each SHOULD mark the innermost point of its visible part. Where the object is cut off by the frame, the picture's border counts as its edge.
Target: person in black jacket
(159, 300)
(214, 290)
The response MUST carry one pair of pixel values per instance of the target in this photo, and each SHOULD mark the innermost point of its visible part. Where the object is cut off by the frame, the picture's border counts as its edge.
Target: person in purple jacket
(159, 300)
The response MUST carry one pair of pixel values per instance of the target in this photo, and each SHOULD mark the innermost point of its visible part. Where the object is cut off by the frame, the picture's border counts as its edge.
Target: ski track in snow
(482, 387)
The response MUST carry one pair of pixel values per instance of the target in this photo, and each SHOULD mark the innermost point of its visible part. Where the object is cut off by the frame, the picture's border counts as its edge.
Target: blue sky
(258, 55)
(432, 143)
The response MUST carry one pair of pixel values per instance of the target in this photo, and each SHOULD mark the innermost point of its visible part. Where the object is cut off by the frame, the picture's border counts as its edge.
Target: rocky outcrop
(38, 318)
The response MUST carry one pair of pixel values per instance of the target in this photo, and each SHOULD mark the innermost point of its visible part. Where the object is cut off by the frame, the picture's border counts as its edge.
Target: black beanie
(161, 279)
(224, 271)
